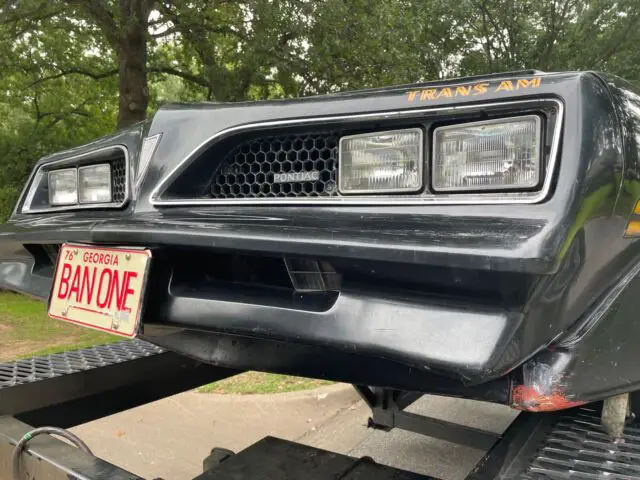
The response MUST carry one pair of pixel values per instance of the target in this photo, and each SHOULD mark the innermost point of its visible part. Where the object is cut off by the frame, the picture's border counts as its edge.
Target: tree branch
(102, 17)
(30, 18)
(36, 105)
(158, 21)
(179, 73)
(35, 15)
(76, 71)
(620, 38)
(165, 33)
(190, 77)
(58, 116)
(498, 32)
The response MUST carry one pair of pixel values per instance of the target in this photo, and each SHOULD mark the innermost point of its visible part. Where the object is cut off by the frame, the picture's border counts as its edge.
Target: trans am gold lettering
(480, 88)
(463, 90)
(524, 83)
(428, 94)
(505, 85)
(474, 89)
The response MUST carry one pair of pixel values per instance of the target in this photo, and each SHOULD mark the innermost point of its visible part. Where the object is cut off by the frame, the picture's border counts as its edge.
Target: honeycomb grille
(118, 179)
(282, 166)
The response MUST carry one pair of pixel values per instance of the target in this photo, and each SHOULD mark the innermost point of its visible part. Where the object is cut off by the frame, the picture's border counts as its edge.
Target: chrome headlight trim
(74, 160)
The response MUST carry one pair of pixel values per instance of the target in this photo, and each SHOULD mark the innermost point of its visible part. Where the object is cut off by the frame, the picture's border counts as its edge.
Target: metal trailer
(74, 387)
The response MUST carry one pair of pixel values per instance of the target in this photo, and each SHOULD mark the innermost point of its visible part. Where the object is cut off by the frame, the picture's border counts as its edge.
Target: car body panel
(463, 292)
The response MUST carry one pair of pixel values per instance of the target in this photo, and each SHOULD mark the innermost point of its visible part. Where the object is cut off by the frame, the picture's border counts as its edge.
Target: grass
(26, 330)
(259, 382)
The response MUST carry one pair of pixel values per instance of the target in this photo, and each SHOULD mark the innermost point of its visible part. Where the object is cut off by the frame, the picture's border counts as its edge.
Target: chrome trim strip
(35, 181)
(440, 199)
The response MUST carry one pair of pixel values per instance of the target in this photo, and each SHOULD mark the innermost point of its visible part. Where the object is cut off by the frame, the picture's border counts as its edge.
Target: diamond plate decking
(57, 364)
(579, 448)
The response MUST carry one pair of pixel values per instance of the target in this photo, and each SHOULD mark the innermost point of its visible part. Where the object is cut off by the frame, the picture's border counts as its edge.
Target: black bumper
(469, 297)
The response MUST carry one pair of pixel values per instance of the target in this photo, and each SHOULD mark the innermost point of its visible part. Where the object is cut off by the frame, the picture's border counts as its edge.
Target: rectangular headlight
(490, 155)
(94, 183)
(63, 187)
(381, 162)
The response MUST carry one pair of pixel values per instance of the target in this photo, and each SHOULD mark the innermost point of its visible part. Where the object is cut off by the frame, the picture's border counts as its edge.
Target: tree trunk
(132, 58)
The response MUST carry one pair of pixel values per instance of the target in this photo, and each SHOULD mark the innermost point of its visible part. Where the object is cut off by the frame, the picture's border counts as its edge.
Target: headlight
(491, 155)
(94, 183)
(63, 187)
(381, 162)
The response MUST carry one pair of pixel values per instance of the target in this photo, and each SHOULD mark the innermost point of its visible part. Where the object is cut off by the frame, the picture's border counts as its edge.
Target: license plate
(100, 288)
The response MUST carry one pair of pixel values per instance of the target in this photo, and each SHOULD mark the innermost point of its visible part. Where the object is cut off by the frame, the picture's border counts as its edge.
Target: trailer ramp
(72, 388)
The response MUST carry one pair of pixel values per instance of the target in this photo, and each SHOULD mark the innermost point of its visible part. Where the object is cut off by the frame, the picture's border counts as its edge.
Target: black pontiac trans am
(476, 237)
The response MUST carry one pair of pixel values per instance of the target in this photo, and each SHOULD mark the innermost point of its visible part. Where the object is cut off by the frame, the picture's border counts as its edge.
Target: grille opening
(237, 269)
(434, 283)
(45, 258)
(311, 275)
(264, 280)
(279, 166)
(118, 177)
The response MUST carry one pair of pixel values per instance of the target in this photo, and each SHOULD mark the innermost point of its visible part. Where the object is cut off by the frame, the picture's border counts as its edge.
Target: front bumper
(469, 297)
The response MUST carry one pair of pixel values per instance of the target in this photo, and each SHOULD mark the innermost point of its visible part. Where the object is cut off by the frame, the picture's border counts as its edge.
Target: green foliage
(42, 109)
(250, 383)
(60, 59)
(27, 330)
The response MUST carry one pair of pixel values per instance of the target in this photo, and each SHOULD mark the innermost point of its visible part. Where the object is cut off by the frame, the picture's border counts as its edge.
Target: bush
(8, 198)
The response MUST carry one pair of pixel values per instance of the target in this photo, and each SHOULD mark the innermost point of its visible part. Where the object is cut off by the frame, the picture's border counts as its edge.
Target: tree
(108, 37)
(72, 70)
(550, 35)
(229, 50)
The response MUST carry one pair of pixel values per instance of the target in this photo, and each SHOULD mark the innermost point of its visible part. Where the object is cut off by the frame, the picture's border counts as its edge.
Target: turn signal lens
(633, 227)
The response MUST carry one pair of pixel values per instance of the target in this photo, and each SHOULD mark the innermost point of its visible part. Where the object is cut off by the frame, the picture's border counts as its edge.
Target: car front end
(472, 237)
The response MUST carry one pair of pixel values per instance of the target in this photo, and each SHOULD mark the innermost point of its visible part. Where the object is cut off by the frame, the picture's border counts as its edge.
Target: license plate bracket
(100, 287)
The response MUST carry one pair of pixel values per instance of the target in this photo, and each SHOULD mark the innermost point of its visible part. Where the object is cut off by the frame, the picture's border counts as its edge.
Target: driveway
(169, 438)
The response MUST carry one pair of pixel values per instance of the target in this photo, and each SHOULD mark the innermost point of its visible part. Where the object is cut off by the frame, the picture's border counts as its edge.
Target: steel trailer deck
(75, 387)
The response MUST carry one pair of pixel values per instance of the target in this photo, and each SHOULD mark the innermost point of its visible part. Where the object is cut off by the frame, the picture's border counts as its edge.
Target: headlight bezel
(31, 199)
